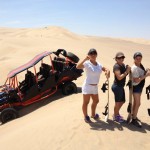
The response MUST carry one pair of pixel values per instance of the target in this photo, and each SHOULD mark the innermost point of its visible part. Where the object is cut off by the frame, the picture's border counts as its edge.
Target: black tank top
(122, 69)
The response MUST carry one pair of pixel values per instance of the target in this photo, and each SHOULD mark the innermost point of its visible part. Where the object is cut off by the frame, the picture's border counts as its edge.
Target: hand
(148, 73)
(137, 80)
(87, 58)
(128, 69)
(107, 74)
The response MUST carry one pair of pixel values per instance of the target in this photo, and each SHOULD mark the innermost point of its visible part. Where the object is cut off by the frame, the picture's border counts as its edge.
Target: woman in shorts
(138, 74)
(93, 70)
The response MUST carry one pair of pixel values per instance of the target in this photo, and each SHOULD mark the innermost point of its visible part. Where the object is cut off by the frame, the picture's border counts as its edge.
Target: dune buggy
(38, 85)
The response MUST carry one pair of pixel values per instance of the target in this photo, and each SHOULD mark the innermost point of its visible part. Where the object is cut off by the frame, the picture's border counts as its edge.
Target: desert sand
(57, 122)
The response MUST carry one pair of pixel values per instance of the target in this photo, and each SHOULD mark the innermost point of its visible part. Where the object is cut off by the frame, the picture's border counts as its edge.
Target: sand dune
(57, 122)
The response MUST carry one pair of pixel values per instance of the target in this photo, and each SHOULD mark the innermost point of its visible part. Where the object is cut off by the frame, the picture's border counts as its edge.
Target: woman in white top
(93, 70)
(138, 74)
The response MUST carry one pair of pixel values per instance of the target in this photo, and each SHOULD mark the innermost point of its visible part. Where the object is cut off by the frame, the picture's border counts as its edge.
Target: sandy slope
(57, 123)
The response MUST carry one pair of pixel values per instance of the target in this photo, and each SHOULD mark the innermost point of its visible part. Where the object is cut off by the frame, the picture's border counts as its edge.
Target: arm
(107, 72)
(123, 75)
(137, 80)
(80, 64)
(119, 75)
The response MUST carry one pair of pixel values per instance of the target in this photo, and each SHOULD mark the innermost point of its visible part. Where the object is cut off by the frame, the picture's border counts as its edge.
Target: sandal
(95, 117)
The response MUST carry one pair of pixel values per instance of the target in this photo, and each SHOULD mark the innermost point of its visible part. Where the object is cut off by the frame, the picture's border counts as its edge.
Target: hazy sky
(113, 18)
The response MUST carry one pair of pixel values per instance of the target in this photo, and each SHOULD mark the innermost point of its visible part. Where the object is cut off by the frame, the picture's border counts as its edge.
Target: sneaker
(121, 116)
(137, 118)
(136, 123)
(118, 118)
(95, 117)
(87, 119)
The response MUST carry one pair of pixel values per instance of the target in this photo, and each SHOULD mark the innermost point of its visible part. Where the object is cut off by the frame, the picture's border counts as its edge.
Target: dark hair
(92, 50)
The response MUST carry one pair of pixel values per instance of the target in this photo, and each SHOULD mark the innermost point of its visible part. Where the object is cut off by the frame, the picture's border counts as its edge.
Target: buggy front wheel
(8, 114)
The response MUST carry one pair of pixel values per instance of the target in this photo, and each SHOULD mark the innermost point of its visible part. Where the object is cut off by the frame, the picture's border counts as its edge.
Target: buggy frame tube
(18, 89)
(35, 74)
(51, 63)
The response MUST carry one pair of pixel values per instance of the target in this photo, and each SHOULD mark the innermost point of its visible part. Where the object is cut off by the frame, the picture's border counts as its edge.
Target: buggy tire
(69, 88)
(72, 57)
(8, 114)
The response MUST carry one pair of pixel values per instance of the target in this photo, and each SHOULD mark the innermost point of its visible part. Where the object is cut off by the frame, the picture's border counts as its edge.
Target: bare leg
(95, 99)
(136, 104)
(86, 99)
(117, 107)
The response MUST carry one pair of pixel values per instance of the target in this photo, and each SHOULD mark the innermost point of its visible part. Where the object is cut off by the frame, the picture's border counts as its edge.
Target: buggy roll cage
(12, 81)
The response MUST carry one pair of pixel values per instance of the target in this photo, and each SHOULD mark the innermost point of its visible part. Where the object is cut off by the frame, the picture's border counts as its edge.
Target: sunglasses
(93, 53)
(121, 57)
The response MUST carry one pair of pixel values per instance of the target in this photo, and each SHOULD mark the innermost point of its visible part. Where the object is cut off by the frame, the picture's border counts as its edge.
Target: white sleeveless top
(137, 72)
(92, 72)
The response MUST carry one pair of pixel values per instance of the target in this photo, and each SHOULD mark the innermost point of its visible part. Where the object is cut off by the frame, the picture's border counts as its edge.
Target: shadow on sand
(30, 108)
(112, 125)
(58, 95)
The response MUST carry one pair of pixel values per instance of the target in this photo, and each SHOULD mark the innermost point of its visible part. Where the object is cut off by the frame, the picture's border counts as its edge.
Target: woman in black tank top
(120, 73)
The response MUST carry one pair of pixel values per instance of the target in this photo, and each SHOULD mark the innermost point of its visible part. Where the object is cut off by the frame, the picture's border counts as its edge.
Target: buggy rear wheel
(69, 88)
(8, 114)
(72, 57)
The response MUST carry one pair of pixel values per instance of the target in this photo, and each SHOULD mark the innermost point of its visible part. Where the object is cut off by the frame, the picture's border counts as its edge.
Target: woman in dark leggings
(120, 73)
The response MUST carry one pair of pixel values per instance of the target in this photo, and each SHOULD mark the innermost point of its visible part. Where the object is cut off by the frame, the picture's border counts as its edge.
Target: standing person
(138, 74)
(93, 70)
(120, 72)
